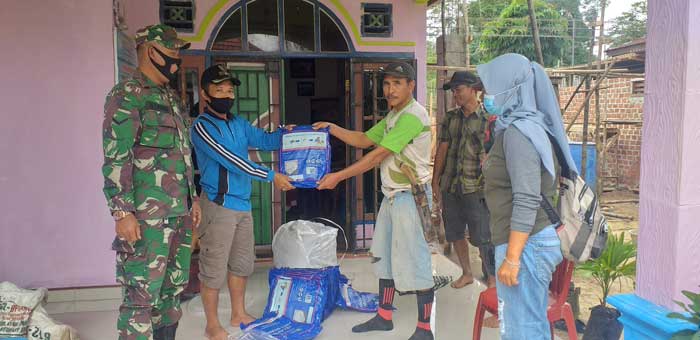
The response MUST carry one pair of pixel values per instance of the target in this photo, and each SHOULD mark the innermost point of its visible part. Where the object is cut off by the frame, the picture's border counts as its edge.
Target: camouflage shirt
(147, 159)
(465, 135)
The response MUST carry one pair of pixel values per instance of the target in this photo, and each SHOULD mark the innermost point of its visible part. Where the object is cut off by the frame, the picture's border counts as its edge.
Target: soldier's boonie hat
(163, 35)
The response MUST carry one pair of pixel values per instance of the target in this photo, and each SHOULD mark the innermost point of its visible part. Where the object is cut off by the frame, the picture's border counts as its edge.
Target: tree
(630, 25)
(579, 29)
(511, 32)
(482, 12)
(590, 10)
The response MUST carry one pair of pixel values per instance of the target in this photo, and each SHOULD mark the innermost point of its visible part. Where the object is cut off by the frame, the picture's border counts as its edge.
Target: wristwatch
(120, 214)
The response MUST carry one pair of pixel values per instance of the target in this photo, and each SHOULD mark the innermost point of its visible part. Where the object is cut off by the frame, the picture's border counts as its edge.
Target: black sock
(422, 334)
(377, 323)
(381, 321)
(386, 298)
(425, 308)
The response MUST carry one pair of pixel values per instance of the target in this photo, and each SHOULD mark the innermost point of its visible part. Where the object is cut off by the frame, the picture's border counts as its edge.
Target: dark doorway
(315, 91)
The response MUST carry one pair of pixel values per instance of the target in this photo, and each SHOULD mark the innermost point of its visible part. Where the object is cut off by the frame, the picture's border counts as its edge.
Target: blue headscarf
(529, 103)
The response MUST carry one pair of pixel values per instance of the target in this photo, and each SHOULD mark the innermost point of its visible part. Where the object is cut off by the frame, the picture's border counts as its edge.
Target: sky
(616, 7)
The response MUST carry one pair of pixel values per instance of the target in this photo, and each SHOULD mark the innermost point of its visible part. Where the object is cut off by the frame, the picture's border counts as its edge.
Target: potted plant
(693, 317)
(616, 261)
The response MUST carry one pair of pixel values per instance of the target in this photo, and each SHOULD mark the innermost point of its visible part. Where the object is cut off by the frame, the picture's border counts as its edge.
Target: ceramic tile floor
(452, 320)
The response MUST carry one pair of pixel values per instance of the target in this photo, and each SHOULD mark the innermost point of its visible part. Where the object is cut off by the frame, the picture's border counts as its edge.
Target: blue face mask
(490, 102)
(490, 105)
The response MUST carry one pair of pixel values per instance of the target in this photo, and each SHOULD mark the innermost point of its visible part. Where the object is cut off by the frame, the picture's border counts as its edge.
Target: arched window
(230, 36)
(332, 39)
(299, 26)
(263, 26)
(308, 28)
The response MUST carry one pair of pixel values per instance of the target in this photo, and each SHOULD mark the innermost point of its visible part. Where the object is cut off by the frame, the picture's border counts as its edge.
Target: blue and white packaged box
(305, 155)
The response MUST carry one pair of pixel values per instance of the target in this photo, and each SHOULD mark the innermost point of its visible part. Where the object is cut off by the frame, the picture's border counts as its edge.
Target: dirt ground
(590, 292)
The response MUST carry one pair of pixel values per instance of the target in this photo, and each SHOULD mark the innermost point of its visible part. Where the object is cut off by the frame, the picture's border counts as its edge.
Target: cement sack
(22, 314)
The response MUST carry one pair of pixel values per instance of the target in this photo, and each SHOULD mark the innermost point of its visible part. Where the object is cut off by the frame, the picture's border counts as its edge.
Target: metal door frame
(358, 68)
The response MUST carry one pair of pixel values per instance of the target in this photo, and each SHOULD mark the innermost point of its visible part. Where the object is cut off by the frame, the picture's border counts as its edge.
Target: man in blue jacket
(227, 248)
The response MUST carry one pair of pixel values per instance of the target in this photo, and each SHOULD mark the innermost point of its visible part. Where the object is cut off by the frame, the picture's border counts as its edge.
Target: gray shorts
(226, 244)
(462, 212)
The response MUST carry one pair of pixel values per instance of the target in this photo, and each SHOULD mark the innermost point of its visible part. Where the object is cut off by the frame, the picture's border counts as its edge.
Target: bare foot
(463, 281)
(492, 322)
(491, 282)
(237, 320)
(216, 333)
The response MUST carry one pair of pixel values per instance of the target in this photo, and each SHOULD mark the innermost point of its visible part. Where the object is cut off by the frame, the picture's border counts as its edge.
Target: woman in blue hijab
(520, 168)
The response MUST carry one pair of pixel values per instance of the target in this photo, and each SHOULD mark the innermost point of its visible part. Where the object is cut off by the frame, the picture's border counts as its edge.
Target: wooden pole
(604, 147)
(586, 112)
(601, 34)
(444, 53)
(466, 31)
(573, 41)
(573, 95)
(598, 146)
(430, 104)
(588, 97)
(535, 32)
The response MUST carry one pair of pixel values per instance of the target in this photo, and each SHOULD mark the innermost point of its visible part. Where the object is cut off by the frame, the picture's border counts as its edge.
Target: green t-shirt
(407, 127)
(407, 135)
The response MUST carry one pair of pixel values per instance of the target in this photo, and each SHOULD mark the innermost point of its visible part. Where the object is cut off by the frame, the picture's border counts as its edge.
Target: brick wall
(617, 102)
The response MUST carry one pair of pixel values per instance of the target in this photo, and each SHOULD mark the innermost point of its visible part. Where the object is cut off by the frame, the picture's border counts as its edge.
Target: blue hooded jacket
(222, 147)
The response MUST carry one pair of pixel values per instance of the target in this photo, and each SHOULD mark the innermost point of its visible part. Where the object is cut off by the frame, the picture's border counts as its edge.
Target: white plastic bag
(305, 244)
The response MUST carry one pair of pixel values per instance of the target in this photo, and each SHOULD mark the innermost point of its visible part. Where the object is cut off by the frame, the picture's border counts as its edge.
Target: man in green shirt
(457, 181)
(401, 142)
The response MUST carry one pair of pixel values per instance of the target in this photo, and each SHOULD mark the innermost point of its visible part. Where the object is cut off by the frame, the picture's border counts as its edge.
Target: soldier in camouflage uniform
(150, 188)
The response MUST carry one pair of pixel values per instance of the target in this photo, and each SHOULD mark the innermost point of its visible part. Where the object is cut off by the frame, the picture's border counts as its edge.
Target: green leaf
(682, 305)
(616, 261)
(695, 298)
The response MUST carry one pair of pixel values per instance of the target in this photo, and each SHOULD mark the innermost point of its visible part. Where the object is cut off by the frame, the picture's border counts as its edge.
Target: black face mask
(165, 69)
(221, 105)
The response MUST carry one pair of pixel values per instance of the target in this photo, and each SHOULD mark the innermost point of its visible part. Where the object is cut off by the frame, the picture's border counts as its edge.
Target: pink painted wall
(56, 230)
(141, 13)
(669, 236)
(409, 25)
(57, 65)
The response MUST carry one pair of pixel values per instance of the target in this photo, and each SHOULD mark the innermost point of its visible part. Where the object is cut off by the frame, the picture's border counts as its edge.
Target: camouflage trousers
(153, 272)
